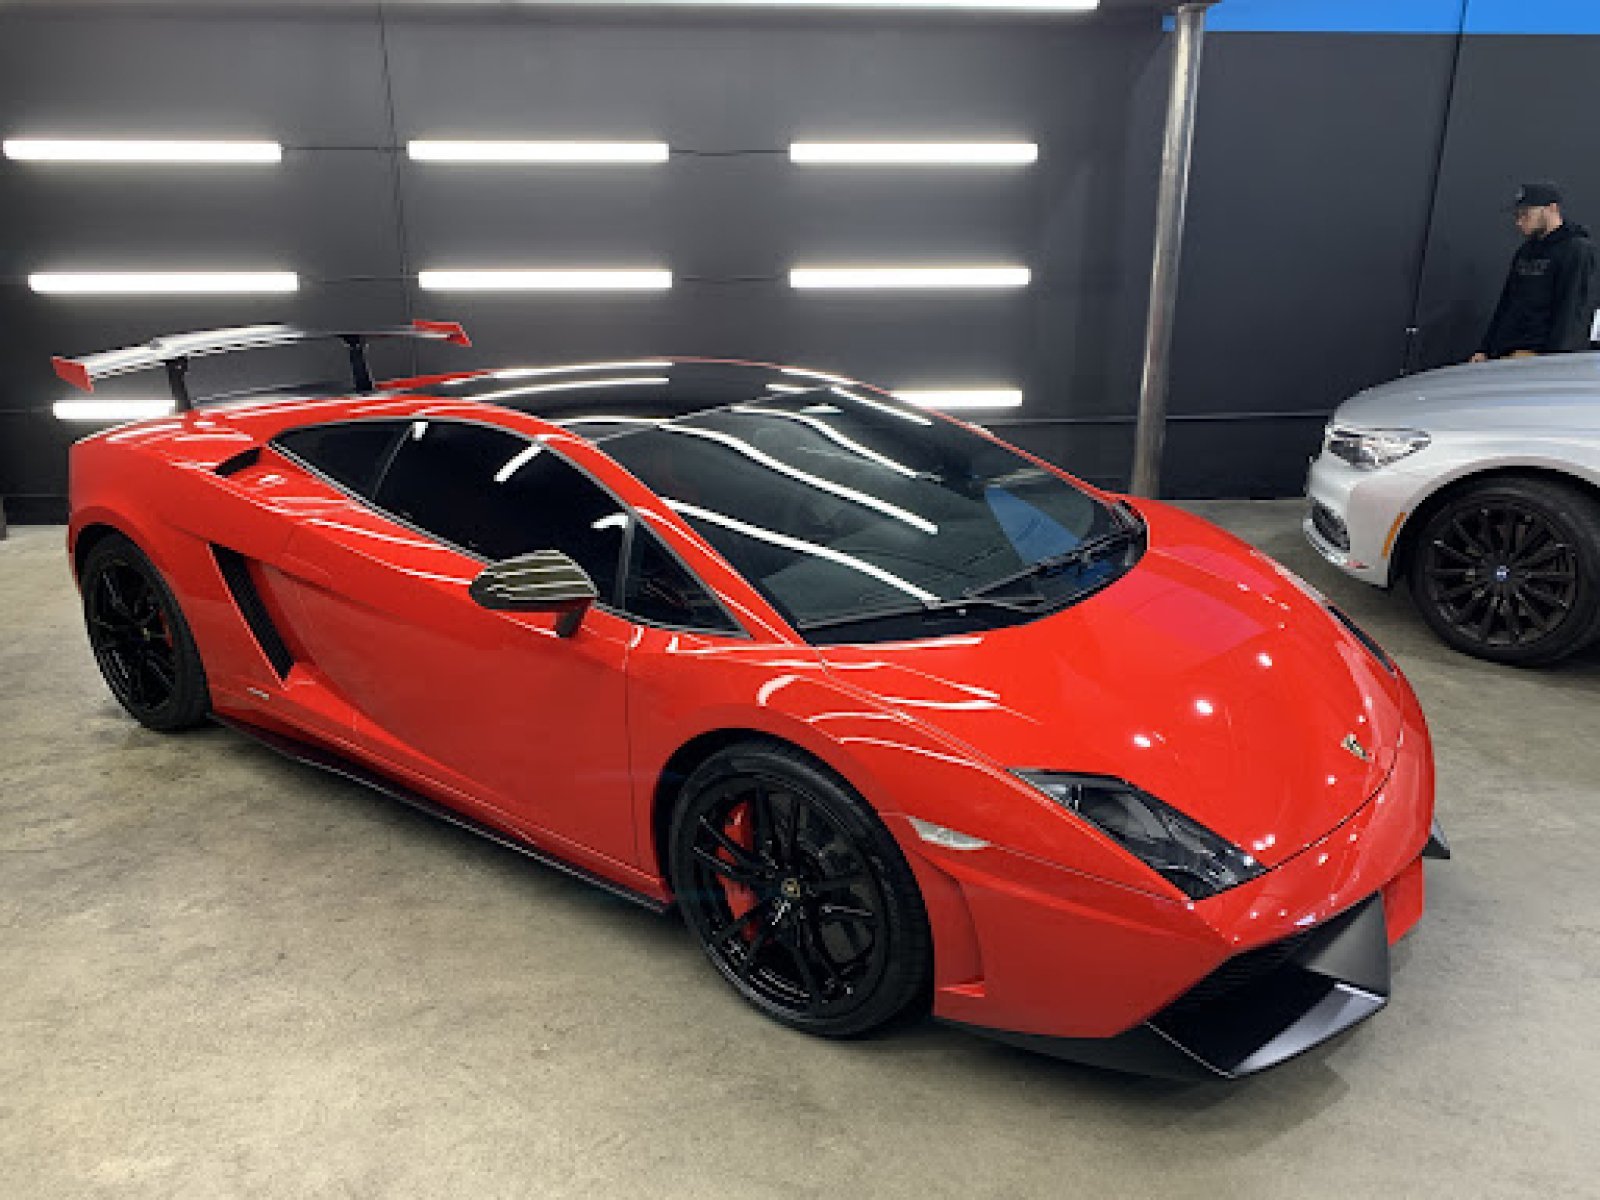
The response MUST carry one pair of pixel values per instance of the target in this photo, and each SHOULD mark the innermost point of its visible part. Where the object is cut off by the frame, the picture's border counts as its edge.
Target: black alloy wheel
(797, 893)
(1509, 570)
(140, 639)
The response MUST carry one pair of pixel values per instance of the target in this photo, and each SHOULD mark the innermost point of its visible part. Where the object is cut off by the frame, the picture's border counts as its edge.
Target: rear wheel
(796, 892)
(140, 639)
(1509, 570)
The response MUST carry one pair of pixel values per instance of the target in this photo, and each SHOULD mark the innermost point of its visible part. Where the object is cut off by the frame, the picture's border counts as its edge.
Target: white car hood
(1555, 394)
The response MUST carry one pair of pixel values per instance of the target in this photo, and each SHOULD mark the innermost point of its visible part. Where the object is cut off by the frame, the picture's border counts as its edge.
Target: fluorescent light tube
(920, 154)
(138, 150)
(537, 152)
(909, 277)
(954, 398)
(110, 410)
(122, 283)
(544, 281)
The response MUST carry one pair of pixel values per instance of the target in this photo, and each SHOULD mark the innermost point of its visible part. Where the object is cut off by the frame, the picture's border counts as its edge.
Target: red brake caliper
(740, 830)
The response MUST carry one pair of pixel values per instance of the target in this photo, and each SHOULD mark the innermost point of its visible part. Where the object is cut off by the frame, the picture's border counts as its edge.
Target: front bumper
(1262, 1007)
(1354, 516)
(1058, 962)
(1253, 1012)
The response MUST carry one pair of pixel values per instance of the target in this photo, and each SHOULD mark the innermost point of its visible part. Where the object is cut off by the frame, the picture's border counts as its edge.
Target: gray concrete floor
(222, 974)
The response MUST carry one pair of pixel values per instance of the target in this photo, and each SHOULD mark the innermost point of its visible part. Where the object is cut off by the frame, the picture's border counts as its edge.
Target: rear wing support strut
(173, 352)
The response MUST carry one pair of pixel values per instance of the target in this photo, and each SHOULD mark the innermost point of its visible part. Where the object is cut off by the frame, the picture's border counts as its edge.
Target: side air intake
(236, 574)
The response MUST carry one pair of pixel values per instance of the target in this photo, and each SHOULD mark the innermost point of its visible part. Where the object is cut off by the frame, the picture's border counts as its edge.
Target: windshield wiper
(1079, 554)
(924, 609)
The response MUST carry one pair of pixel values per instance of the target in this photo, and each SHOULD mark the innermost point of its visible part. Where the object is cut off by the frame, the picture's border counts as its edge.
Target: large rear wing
(175, 350)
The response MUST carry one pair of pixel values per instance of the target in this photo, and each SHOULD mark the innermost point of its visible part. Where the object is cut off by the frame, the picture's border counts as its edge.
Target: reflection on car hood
(1204, 676)
(1554, 393)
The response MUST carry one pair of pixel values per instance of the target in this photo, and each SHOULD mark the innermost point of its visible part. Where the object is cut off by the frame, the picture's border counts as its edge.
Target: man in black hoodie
(1548, 303)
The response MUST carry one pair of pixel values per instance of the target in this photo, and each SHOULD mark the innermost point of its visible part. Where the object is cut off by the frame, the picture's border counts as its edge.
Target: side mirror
(544, 581)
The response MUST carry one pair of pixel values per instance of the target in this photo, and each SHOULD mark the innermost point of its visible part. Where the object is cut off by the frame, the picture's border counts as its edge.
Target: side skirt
(336, 764)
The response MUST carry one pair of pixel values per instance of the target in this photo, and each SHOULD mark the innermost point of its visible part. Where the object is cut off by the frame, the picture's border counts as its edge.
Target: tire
(140, 639)
(1508, 570)
(822, 929)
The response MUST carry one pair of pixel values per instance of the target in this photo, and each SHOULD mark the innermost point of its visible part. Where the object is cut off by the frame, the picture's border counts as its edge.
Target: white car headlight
(1373, 448)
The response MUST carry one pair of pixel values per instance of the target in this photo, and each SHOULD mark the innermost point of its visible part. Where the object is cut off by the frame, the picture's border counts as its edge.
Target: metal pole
(1176, 149)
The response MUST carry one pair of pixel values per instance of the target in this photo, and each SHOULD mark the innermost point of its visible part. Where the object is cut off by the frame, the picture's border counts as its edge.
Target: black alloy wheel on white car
(1508, 570)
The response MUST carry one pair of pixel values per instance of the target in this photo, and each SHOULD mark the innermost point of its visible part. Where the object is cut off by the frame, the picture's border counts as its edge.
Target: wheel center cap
(1502, 573)
(790, 888)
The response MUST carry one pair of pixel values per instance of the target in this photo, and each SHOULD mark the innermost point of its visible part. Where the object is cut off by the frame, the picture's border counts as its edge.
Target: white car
(1479, 485)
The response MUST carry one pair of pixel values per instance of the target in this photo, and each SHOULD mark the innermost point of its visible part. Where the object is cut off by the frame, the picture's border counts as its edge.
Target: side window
(659, 589)
(351, 453)
(499, 495)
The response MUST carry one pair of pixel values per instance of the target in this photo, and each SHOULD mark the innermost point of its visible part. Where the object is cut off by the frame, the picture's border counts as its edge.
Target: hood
(1204, 676)
(1552, 393)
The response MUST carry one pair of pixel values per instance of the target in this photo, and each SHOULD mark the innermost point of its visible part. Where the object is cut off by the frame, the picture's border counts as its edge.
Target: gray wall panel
(312, 77)
(1523, 110)
(1314, 164)
(328, 213)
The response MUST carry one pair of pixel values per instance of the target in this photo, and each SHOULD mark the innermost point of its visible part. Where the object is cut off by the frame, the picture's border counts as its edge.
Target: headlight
(1373, 448)
(1181, 850)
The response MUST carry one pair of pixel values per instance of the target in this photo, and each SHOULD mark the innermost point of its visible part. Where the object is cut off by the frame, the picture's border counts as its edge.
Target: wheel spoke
(845, 912)
(742, 855)
(1564, 575)
(1473, 547)
(1487, 622)
(114, 595)
(1537, 537)
(1543, 556)
(747, 964)
(840, 883)
(741, 922)
(741, 875)
(1539, 623)
(808, 980)
(1458, 555)
(788, 830)
(1513, 622)
(163, 674)
(811, 945)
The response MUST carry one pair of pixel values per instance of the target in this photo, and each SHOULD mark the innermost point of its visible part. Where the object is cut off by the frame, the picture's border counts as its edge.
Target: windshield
(853, 514)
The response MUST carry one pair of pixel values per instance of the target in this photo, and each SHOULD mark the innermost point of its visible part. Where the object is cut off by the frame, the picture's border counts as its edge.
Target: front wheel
(1509, 570)
(797, 893)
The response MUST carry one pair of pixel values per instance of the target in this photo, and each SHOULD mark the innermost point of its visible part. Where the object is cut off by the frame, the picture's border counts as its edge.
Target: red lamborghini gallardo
(896, 715)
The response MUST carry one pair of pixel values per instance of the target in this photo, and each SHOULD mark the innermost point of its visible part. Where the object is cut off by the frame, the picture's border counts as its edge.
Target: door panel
(493, 705)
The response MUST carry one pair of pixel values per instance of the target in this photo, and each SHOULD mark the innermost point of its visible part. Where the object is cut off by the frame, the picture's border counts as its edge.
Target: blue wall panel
(1526, 16)
(1337, 16)
(1407, 16)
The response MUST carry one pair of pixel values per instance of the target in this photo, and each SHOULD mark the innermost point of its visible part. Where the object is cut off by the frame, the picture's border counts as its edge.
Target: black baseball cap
(1536, 195)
